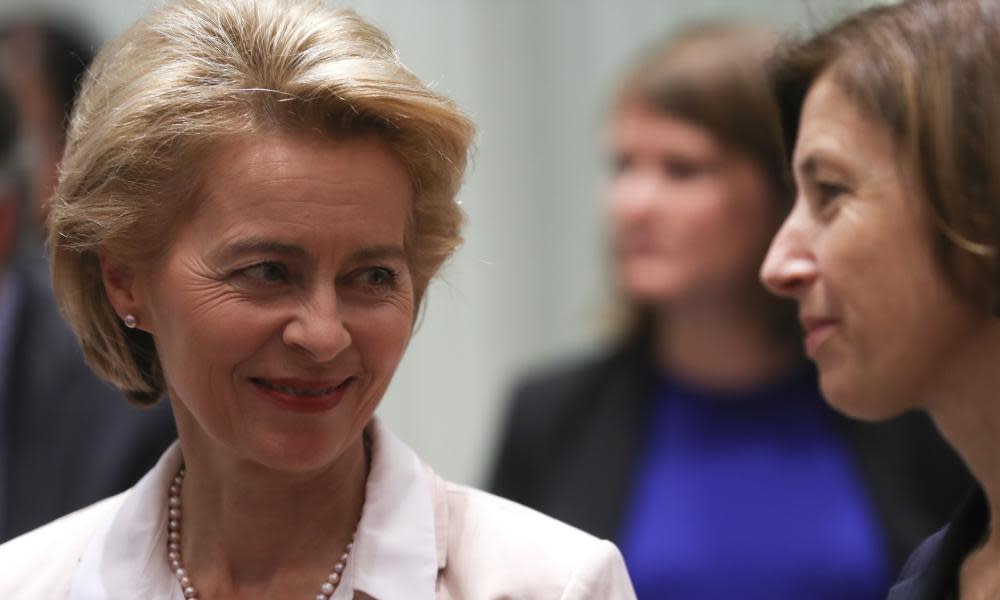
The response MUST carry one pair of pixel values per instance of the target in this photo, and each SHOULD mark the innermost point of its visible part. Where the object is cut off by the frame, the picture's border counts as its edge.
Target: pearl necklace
(174, 547)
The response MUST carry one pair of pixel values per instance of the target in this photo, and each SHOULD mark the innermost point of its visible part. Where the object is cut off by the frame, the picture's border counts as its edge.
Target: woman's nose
(318, 329)
(632, 195)
(790, 265)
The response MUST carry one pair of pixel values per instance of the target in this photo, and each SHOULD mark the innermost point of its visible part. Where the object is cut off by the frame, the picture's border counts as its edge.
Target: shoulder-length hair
(189, 76)
(930, 71)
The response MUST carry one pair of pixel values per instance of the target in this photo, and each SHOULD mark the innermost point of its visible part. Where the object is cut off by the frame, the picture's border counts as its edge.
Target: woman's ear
(124, 290)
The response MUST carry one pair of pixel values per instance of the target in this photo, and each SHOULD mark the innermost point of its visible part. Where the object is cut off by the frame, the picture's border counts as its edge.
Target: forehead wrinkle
(329, 194)
(283, 210)
(246, 184)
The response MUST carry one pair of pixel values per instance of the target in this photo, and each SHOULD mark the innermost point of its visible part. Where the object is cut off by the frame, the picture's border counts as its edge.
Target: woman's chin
(863, 402)
(297, 456)
(650, 291)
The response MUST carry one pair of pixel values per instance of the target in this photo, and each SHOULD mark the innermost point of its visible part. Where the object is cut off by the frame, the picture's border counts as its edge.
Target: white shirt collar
(394, 556)
(395, 552)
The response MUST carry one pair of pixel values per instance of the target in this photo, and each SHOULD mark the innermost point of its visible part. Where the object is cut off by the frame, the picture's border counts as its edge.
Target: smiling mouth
(301, 389)
(302, 395)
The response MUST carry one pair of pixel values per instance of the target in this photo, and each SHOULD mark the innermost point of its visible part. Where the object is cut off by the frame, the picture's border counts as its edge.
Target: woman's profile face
(690, 220)
(881, 319)
(283, 306)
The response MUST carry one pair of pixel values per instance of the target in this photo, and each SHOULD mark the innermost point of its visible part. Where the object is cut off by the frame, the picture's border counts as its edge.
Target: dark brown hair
(715, 75)
(928, 70)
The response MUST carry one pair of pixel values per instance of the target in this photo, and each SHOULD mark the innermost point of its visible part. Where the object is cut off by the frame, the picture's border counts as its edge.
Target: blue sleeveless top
(750, 495)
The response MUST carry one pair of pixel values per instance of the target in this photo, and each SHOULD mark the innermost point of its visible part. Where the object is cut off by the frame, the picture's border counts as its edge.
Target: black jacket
(69, 438)
(932, 571)
(573, 437)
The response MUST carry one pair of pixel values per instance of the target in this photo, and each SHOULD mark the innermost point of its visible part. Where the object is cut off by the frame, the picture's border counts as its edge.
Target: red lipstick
(303, 395)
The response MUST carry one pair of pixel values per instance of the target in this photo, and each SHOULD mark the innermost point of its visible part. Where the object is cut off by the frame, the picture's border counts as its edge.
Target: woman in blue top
(700, 443)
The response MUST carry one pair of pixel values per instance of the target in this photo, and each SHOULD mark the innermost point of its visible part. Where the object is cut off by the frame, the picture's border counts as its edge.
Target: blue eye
(380, 277)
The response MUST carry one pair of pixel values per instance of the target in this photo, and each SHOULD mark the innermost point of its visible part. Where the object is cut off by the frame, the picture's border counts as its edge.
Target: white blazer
(419, 538)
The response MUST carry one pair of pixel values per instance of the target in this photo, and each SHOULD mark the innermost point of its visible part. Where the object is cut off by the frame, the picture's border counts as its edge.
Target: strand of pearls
(174, 547)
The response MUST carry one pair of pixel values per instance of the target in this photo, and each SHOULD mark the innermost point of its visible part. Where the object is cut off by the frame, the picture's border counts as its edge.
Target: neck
(964, 405)
(725, 343)
(251, 532)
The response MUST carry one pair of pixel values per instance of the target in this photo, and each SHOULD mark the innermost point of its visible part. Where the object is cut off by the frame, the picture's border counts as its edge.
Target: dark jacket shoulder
(931, 572)
(71, 438)
(570, 426)
(574, 434)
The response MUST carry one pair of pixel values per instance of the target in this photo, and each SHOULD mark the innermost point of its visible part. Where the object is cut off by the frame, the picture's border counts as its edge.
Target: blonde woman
(254, 197)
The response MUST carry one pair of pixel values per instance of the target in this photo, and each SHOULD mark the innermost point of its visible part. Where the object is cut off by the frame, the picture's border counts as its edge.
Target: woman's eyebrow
(817, 159)
(255, 244)
(811, 163)
(384, 251)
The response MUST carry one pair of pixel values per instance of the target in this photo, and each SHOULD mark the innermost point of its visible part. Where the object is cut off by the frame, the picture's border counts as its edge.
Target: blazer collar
(397, 550)
(441, 525)
(399, 547)
(126, 557)
(932, 571)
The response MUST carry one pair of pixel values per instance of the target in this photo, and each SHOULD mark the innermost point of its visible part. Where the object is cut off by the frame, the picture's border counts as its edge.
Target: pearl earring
(130, 321)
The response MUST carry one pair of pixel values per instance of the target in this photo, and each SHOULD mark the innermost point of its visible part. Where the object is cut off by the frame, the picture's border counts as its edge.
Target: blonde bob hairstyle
(192, 75)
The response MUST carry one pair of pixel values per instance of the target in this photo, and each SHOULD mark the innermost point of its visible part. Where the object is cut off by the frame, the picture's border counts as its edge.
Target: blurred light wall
(528, 286)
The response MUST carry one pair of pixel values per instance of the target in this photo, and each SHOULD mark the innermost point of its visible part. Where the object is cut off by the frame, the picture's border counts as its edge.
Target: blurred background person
(10, 180)
(42, 62)
(700, 442)
(66, 438)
